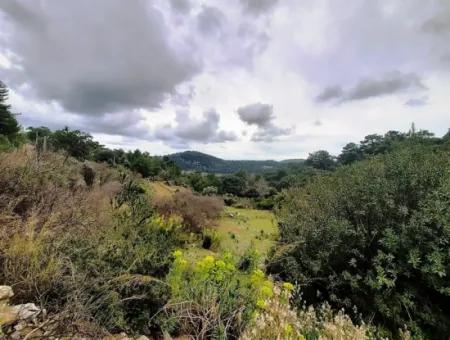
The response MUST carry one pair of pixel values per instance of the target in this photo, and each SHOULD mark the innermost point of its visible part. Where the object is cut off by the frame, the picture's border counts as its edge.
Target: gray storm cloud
(369, 39)
(258, 6)
(188, 129)
(368, 88)
(181, 6)
(261, 115)
(210, 20)
(256, 114)
(417, 102)
(94, 58)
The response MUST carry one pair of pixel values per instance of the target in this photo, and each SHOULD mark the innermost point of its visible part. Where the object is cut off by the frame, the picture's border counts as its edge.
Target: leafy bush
(211, 239)
(195, 211)
(375, 235)
(250, 260)
(209, 191)
(229, 199)
(74, 143)
(211, 298)
(266, 203)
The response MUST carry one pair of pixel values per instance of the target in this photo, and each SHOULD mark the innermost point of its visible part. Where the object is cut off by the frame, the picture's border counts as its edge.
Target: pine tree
(9, 126)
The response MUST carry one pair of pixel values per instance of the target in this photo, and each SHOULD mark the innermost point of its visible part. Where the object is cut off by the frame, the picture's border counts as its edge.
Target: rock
(7, 316)
(20, 326)
(6, 292)
(26, 311)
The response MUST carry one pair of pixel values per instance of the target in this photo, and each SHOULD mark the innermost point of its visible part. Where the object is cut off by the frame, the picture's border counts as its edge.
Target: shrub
(266, 203)
(229, 199)
(195, 211)
(210, 191)
(88, 175)
(278, 320)
(211, 298)
(375, 235)
(211, 239)
(206, 298)
(250, 260)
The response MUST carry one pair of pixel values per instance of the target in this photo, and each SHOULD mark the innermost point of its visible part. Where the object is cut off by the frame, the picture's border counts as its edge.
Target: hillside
(198, 161)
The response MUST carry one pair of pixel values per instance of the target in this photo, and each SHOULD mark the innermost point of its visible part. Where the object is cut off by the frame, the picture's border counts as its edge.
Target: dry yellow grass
(162, 190)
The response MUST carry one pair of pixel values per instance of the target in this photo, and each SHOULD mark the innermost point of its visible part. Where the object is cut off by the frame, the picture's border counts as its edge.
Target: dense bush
(195, 211)
(376, 235)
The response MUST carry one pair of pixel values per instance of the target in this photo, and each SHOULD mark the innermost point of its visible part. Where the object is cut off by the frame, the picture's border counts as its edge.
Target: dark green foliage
(375, 144)
(197, 181)
(81, 145)
(9, 127)
(143, 163)
(321, 160)
(34, 133)
(74, 143)
(350, 153)
(140, 162)
(113, 157)
(266, 203)
(376, 235)
(233, 184)
(197, 161)
(293, 175)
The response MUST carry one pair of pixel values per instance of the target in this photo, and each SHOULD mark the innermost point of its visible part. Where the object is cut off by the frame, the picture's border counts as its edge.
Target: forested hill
(198, 161)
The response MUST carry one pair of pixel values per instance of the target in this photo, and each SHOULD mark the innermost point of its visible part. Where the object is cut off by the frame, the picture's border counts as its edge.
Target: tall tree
(321, 160)
(350, 153)
(9, 127)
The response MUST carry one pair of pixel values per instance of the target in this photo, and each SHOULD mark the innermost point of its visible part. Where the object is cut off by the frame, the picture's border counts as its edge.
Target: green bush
(210, 239)
(212, 298)
(376, 235)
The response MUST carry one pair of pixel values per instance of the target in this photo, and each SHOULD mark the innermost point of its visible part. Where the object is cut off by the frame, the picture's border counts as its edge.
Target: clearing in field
(237, 230)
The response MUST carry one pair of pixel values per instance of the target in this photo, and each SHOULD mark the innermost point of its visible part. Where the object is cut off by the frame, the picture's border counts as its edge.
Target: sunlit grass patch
(239, 229)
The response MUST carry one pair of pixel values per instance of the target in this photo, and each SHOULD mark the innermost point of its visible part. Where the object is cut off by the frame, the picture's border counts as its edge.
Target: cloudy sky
(240, 79)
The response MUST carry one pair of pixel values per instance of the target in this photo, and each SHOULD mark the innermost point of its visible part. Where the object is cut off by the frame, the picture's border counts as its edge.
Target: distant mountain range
(198, 161)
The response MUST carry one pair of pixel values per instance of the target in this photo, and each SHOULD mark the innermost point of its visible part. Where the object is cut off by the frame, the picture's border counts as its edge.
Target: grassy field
(237, 229)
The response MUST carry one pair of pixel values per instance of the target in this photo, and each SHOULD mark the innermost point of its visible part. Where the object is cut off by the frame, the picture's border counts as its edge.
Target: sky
(239, 79)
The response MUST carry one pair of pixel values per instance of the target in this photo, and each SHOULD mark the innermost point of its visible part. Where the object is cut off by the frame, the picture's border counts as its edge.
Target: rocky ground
(28, 321)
